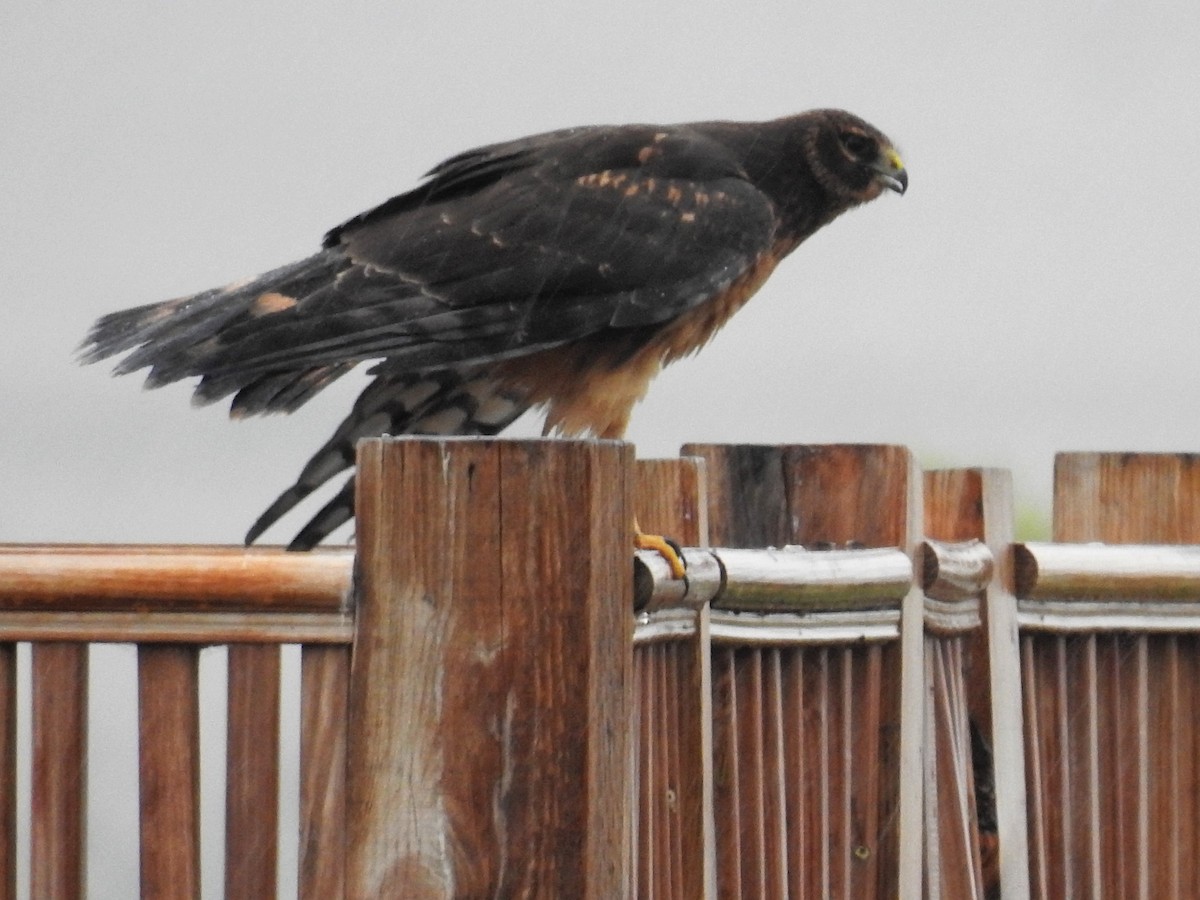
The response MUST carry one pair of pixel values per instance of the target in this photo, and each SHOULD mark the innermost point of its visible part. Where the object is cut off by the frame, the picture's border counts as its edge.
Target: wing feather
(507, 251)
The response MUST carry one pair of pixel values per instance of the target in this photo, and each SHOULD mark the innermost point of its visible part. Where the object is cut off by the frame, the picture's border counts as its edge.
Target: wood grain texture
(8, 771)
(809, 763)
(670, 497)
(169, 770)
(324, 692)
(488, 747)
(1127, 498)
(252, 771)
(747, 494)
(674, 850)
(59, 784)
(863, 494)
(162, 578)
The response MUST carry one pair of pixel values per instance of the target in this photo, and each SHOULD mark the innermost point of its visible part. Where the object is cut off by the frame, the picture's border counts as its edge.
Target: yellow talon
(663, 547)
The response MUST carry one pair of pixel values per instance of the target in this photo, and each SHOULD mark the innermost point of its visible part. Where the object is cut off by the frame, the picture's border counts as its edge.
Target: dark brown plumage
(560, 271)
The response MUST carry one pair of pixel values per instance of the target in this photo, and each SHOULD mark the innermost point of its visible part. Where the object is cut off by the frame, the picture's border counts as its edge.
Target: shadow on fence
(492, 706)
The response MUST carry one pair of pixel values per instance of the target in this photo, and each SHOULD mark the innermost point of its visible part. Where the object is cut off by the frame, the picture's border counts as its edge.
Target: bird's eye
(858, 144)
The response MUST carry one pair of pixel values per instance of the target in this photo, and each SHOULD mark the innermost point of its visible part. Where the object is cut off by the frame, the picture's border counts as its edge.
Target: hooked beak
(890, 171)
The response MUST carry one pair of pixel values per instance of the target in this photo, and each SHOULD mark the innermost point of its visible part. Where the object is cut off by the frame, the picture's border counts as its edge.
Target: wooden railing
(491, 706)
(171, 601)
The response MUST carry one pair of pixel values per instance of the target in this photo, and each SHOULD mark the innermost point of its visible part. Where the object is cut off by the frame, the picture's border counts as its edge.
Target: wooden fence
(895, 700)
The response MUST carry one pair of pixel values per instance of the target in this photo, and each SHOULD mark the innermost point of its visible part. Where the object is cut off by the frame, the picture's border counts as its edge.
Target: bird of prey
(559, 272)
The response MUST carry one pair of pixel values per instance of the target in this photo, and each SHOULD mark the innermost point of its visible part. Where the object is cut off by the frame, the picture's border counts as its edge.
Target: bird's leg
(663, 546)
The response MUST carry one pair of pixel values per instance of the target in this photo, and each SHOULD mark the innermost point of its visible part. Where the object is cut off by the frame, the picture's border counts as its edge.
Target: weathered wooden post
(489, 688)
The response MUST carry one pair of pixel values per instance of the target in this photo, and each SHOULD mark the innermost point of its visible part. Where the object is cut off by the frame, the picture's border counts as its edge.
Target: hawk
(558, 272)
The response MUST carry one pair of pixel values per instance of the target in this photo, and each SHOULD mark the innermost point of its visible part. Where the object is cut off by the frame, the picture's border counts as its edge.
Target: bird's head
(853, 160)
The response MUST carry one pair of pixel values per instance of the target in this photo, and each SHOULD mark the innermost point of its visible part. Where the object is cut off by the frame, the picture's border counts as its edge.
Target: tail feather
(163, 335)
(303, 388)
(277, 392)
(447, 402)
(283, 504)
(196, 335)
(120, 331)
(333, 514)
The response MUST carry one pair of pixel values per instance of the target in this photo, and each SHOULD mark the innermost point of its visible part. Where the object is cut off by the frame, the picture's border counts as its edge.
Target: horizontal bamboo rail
(1096, 571)
(955, 571)
(153, 579)
(789, 579)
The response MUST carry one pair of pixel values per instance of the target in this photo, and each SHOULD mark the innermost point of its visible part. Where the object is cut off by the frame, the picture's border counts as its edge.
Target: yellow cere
(894, 158)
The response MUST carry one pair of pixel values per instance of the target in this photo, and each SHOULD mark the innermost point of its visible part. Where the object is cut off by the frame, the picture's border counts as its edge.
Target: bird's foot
(664, 547)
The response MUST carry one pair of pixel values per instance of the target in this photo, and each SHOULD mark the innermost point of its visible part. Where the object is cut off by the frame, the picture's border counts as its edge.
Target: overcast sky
(1034, 291)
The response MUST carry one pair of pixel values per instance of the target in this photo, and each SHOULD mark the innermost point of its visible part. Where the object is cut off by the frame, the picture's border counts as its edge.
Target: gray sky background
(1034, 291)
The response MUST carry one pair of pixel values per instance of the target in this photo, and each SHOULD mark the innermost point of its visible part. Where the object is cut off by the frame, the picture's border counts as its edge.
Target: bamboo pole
(786, 579)
(489, 686)
(1098, 572)
(952, 571)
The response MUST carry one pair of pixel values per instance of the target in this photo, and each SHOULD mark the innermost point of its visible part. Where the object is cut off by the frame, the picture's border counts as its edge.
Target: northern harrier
(558, 272)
